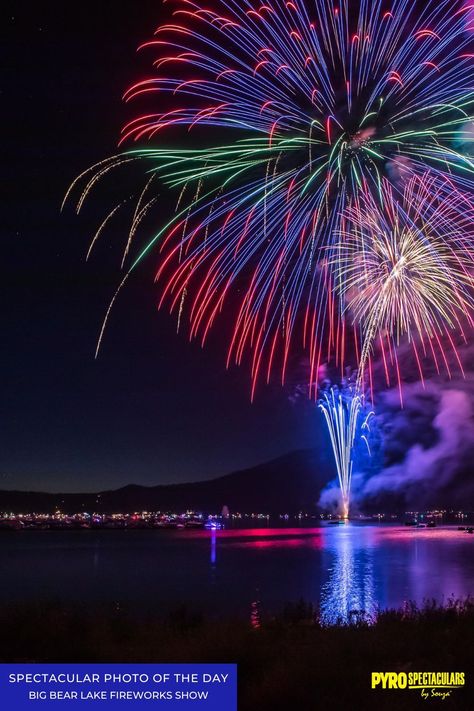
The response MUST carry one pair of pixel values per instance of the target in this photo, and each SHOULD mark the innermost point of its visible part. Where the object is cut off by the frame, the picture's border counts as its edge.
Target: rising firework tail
(347, 417)
(341, 413)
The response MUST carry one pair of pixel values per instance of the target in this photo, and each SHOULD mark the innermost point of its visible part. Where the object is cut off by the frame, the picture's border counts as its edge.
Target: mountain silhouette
(290, 483)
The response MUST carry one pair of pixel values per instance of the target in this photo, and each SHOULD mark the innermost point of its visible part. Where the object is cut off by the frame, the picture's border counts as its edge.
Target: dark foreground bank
(288, 661)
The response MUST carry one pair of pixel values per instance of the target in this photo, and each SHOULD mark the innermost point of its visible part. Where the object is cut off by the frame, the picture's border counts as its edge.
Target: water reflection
(346, 571)
(255, 614)
(213, 547)
(348, 594)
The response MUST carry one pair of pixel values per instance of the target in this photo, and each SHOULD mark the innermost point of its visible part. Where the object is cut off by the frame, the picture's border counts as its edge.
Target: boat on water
(213, 525)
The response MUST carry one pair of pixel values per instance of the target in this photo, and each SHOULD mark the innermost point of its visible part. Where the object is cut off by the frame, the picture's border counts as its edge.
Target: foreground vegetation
(287, 661)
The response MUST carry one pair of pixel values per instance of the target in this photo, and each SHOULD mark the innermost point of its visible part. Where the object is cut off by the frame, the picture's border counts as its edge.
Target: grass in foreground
(289, 662)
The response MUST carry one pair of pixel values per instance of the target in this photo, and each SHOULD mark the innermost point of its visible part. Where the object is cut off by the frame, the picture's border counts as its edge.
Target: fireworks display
(405, 268)
(320, 156)
(341, 411)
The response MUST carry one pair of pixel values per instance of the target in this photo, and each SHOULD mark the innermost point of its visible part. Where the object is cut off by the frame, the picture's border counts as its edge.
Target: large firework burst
(406, 268)
(301, 109)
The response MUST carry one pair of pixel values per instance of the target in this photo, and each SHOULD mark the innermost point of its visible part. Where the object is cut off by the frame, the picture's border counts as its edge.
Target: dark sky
(153, 408)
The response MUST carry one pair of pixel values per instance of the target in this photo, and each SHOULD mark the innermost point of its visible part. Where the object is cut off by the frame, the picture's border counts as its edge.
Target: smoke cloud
(428, 447)
(424, 457)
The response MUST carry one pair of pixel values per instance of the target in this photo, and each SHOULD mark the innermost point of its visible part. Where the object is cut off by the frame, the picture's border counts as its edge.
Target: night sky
(153, 408)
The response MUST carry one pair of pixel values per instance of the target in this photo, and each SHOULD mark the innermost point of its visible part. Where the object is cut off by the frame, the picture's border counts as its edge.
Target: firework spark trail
(337, 99)
(316, 120)
(398, 277)
(341, 412)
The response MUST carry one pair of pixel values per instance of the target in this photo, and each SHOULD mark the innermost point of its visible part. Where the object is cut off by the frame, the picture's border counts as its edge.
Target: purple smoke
(429, 446)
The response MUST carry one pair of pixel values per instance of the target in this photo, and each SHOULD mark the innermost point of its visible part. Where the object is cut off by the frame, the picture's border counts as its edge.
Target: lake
(341, 569)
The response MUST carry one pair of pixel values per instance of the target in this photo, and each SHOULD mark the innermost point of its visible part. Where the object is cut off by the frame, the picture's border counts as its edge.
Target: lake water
(340, 569)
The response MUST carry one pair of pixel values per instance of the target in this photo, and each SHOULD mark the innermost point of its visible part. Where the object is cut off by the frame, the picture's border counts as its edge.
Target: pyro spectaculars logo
(435, 685)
